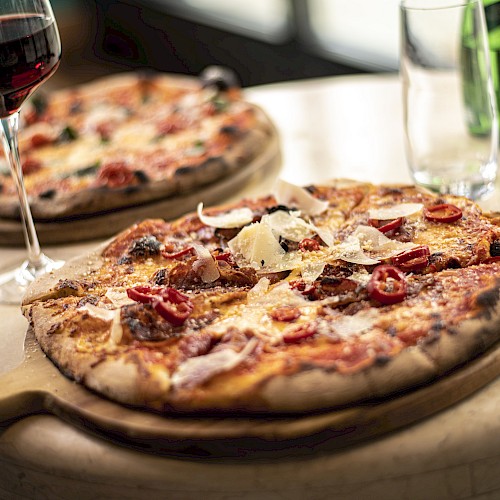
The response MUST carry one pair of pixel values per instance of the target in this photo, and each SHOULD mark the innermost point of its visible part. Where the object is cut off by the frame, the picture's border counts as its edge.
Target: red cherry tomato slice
(389, 226)
(175, 306)
(145, 294)
(176, 255)
(443, 213)
(387, 285)
(169, 303)
(413, 259)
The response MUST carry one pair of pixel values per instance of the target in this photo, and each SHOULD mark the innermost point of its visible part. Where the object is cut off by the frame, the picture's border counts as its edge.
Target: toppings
(309, 245)
(112, 315)
(262, 245)
(257, 246)
(387, 285)
(385, 227)
(292, 227)
(175, 307)
(299, 332)
(145, 247)
(348, 326)
(443, 213)
(368, 246)
(297, 197)
(395, 211)
(30, 166)
(285, 313)
(68, 134)
(170, 304)
(413, 259)
(370, 240)
(195, 371)
(115, 174)
(235, 218)
(350, 251)
(177, 254)
(495, 248)
(205, 266)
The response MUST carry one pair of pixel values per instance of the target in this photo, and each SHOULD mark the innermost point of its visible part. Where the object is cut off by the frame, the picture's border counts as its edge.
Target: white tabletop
(332, 127)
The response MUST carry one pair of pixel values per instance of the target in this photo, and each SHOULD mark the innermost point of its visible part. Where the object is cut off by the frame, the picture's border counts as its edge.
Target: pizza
(130, 139)
(306, 299)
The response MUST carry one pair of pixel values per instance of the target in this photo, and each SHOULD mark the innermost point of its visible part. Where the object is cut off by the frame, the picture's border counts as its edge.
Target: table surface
(330, 128)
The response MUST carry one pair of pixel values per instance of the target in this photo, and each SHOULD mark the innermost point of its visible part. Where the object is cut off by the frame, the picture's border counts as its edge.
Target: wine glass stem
(10, 126)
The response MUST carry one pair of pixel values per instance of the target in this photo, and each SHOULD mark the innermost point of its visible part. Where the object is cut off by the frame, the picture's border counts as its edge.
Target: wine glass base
(13, 284)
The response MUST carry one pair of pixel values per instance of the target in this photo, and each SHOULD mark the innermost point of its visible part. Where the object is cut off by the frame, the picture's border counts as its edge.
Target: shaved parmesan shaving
(116, 333)
(350, 251)
(251, 319)
(256, 245)
(288, 226)
(291, 195)
(99, 312)
(118, 298)
(277, 296)
(205, 265)
(238, 217)
(396, 211)
(291, 227)
(113, 315)
(311, 271)
(348, 326)
(373, 240)
(195, 371)
(259, 289)
(325, 235)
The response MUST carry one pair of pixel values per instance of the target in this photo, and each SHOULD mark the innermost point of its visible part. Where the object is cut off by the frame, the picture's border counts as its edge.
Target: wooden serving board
(106, 224)
(37, 386)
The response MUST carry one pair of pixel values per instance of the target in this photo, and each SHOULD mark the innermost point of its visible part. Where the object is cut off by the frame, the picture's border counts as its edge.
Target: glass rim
(435, 5)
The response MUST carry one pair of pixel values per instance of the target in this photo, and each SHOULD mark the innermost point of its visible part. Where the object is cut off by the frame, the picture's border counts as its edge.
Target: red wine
(30, 51)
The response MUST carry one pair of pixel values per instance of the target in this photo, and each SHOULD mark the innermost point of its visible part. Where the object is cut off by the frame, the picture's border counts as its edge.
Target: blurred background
(264, 41)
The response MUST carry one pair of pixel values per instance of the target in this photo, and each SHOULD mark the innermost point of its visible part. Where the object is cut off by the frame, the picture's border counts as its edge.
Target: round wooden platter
(105, 224)
(37, 386)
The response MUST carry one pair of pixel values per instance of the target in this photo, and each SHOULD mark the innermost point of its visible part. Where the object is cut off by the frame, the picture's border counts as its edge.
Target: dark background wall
(107, 36)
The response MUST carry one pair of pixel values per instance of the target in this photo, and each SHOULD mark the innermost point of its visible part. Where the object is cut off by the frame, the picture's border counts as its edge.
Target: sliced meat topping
(185, 276)
(146, 246)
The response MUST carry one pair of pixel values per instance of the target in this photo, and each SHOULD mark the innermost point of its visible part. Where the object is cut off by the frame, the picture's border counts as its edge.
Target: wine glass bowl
(30, 52)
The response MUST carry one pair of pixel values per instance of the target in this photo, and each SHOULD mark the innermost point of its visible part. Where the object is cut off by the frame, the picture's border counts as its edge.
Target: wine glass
(30, 51)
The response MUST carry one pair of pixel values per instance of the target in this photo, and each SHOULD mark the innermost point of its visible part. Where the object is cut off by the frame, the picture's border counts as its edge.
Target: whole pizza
(305, 299)
(129, 139)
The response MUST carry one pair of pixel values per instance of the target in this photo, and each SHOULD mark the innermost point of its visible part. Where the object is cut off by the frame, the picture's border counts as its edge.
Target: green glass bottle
(479, 123)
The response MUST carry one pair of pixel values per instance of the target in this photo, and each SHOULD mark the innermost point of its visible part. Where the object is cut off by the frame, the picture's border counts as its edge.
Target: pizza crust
(471, 338)
(44, 287)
